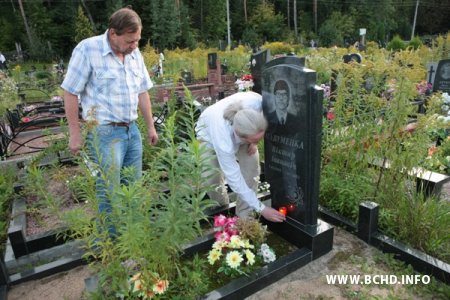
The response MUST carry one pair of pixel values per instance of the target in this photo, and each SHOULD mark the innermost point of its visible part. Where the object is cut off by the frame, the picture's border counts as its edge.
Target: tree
(266, 23)
(25, 22)
(215, 21)
(164, 26)
(433, 16)
(337, 28)
(88, 12)
(83, 28)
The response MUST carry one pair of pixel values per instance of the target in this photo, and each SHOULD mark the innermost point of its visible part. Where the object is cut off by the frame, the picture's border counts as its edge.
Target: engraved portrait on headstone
(281, 101)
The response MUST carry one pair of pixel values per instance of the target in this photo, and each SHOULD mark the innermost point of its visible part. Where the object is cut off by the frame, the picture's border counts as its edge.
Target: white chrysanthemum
(234, 259)
(218, 245)
(247, 244)
(213, 256)
(250, 256)
(235, 242)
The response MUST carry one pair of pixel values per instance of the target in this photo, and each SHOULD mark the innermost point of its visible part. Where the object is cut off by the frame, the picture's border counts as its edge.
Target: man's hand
(152, 136)
(272, 215)
(75, 143)
(252, 148)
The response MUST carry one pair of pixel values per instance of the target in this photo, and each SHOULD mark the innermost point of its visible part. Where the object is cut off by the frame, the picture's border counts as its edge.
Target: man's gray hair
(245, 121)
(125, 20)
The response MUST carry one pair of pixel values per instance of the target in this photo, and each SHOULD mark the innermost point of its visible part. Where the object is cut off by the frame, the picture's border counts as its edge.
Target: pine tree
(83, 28)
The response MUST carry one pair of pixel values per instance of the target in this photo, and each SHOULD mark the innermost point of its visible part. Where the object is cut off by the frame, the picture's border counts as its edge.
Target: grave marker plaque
(442, 77)
(292, 103)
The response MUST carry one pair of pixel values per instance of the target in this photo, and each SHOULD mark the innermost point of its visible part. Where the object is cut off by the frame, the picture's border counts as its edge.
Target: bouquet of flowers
(245, 83)
(143, 284)
(423, 88)
(234, 249)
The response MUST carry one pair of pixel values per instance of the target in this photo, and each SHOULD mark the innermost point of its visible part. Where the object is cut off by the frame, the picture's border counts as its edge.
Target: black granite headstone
(292, 103)
(442, 77)
(212, 60)
(356, 57)
(187, 77)
(257, 61)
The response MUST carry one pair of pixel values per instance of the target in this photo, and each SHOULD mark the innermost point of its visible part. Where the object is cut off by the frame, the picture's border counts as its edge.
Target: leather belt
(120, 124)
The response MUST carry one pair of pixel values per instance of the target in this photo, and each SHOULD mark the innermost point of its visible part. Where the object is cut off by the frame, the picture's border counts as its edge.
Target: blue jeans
(114, 148)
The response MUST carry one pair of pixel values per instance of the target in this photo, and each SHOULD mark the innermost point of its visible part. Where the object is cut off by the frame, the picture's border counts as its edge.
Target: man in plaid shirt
(107, 75)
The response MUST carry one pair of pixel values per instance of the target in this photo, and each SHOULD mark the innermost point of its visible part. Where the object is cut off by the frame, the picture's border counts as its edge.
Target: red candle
(282, 210)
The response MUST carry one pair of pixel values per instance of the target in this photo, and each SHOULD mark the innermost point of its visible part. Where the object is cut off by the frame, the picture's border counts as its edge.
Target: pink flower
(232, 221)
(231, 232)
(330, 116)
(218, 235)
(423, 87)
(222, 236)
(220, 221)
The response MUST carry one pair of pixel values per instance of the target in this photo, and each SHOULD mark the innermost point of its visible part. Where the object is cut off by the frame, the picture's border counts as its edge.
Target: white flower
(235, 242)
(446, 98)
(244, 85)
(213, 256)
(267, 253)
(250, 257)
(234, 259)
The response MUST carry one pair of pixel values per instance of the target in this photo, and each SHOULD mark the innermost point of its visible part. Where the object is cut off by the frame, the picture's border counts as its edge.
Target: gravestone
(257, 61)
(356, 57)
(214, 73)
(442, 76)
(186, 77)
(212, 60)
(292, 146)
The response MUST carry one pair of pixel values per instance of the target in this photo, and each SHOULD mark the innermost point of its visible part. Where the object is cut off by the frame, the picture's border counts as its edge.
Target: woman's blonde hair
(245, 121)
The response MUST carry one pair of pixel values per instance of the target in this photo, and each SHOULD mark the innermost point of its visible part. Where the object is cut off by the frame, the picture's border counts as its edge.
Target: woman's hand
(272, 215)
(252, 149)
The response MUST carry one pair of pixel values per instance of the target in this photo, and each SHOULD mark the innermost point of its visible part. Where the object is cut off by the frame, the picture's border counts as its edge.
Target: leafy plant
(7, 179)
(154, 216)
(371, 151)
(8, 95)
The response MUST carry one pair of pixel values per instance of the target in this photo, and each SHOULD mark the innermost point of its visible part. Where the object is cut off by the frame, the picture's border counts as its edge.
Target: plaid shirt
(107, 88)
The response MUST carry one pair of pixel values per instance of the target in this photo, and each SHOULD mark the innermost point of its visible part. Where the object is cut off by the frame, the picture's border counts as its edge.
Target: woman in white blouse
(231, 129)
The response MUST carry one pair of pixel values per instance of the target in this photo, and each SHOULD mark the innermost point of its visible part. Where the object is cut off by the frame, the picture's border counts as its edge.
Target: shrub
(396, 44)
(43, 75)
(278, 48)
(415, 43)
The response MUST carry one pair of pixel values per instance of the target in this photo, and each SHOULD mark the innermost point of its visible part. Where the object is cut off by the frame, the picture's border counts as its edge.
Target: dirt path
(349, 256)
(62, 286)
